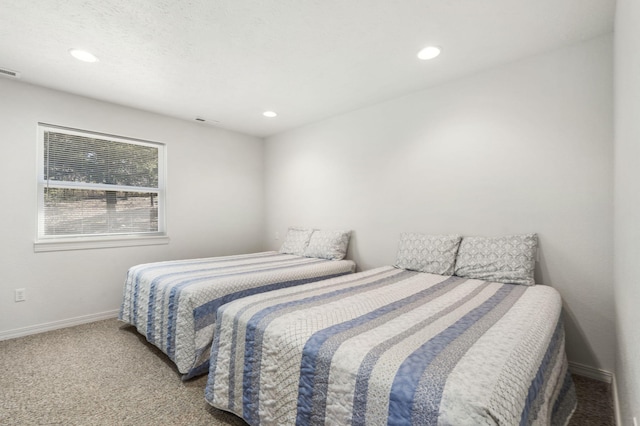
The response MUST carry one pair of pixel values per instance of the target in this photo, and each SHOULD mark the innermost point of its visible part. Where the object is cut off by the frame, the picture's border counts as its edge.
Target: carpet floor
(105, 373)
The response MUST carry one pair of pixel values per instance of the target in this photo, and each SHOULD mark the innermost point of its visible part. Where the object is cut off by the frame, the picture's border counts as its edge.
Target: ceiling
(229, 60)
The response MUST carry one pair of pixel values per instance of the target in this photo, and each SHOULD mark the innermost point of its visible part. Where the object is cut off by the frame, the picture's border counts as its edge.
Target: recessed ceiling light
(429, 52)
(269, 114)
(82, 55)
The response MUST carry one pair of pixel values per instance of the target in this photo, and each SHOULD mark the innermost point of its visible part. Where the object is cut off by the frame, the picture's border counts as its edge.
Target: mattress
(389, 346)
(173, 304)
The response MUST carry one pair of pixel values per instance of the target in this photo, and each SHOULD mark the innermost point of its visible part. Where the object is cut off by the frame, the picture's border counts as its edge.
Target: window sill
(86, 243)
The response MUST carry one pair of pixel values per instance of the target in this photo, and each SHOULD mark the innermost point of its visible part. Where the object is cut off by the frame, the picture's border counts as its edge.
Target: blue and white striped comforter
(389, 346)
(174, 303)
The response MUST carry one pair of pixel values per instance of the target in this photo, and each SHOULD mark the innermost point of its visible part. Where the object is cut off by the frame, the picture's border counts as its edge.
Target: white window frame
(79, 242)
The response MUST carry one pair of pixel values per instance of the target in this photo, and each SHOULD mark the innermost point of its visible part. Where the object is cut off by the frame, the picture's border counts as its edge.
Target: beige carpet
(595, 403)
(104, 373)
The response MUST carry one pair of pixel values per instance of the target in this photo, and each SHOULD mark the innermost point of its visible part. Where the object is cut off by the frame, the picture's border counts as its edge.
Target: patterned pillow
(435, 254)
(330, 245)
(510, 259)
(296, 241)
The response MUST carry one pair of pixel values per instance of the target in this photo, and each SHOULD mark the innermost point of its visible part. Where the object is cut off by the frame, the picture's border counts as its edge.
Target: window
(97, 188)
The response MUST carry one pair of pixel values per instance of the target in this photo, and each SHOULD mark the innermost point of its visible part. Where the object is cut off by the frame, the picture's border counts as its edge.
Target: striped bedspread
(174, 303)
(389, 346)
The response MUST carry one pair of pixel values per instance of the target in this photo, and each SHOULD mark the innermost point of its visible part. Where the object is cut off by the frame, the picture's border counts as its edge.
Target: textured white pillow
(296, 241)
(330, 245)
(509, 259)
(435, 254)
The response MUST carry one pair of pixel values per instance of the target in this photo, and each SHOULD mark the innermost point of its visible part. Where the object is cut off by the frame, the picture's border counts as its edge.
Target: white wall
(215, 203)
(627, 206)
(526, 147)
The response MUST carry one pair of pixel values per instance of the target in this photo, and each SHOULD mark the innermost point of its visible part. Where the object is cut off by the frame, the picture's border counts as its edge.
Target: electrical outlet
(21, 294)
(277, 235)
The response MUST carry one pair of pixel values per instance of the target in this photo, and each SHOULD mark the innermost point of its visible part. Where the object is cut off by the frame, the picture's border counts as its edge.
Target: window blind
(98, 185)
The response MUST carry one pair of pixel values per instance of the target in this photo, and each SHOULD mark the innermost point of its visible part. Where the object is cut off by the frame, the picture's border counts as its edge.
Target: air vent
(206, 121)
(8, 73)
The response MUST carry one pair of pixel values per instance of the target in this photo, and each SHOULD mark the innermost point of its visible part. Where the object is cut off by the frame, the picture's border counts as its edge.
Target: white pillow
(509, 259)
(330, 245)
(296, 241)
(435, 254)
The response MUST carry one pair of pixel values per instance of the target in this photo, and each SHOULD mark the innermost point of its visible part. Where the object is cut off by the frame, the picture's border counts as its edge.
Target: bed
(173, 304)
(394, 346)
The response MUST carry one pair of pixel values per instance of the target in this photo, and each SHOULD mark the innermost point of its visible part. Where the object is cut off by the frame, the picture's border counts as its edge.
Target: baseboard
(616, 402)
(41, 328)
(590, 372)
